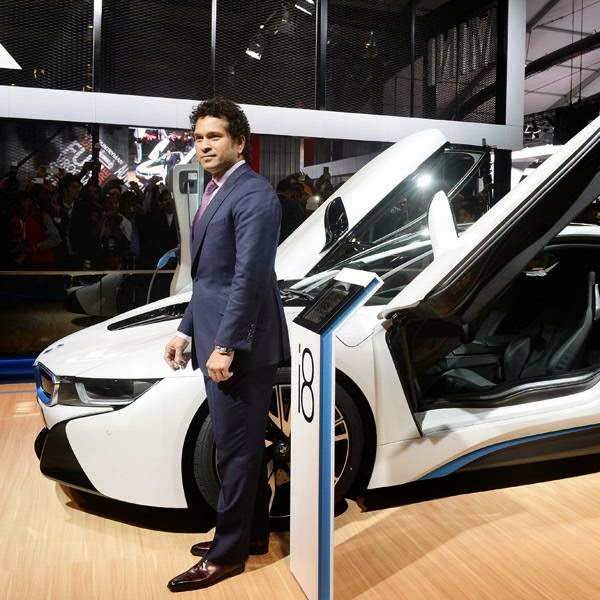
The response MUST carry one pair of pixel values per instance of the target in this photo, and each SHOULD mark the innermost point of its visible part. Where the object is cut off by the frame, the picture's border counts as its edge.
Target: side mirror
(166, 257)
(336, 222)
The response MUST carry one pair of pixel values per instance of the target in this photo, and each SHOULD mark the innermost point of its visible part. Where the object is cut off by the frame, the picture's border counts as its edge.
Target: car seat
(552, 344)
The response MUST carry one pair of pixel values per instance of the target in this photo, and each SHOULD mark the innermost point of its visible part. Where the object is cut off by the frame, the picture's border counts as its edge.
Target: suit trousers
(238, 409)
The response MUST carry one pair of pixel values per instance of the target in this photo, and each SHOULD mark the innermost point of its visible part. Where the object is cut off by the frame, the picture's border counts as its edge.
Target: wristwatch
(223, 349)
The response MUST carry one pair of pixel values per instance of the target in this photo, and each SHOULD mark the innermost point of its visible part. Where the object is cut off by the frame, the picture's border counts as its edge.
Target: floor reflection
(478, 481)
(200, 519)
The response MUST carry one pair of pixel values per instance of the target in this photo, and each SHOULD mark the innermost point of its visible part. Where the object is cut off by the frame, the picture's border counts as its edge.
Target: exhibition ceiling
(551, 25)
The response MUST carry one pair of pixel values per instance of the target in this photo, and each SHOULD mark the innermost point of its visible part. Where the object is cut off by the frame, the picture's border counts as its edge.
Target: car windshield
(404, 210)
(397, 261)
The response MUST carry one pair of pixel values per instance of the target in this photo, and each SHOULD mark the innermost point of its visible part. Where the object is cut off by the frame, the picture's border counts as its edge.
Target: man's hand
(218, 366)
(174, 352)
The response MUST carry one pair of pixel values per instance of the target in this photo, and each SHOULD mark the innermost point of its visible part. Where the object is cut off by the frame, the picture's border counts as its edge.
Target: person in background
(151, 195)
(323, 186)
(134, 187)
(115, 232)
(131, 208)
(292, 213)
(84, 241)
(90, 194)
(69, 188)
(33, 235)
(162, 232)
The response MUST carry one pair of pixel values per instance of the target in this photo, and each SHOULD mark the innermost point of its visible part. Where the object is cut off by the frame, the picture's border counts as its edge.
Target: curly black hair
(224, 108)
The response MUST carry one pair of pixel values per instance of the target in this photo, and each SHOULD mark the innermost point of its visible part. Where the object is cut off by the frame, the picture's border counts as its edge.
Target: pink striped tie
(206, 197)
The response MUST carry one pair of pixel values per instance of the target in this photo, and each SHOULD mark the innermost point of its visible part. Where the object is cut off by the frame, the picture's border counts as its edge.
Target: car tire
(349, 445)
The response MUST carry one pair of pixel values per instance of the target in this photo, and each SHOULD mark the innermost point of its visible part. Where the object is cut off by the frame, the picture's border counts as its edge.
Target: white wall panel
(279, 157)
(515, 69)
(117, 109)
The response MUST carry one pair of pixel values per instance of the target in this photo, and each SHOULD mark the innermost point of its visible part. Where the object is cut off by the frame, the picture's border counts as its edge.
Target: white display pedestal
(312, 414)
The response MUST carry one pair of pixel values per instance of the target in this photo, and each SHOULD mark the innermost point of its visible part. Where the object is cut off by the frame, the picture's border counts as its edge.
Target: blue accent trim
(326, 418)
(41, 394)
(327, 394)
(355, 304)
(13, 367)
(458, 463)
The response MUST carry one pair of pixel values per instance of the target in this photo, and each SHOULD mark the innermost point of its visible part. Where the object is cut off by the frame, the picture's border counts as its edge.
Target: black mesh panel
(52, 42)
(266, 52)
(455, 58)
(368, 56)
(284, 75)
(456, 46)
(156, 48)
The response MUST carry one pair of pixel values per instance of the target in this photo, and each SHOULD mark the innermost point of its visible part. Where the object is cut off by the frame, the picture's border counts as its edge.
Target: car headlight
(101, 392)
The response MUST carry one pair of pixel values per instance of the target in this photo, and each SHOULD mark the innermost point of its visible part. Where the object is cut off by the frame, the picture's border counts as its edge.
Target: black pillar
(321, 58)
(502, 166)
(501, 63)
(213, 47)
(97, 48)
(413, 34)
(94, 128)
(96, 165)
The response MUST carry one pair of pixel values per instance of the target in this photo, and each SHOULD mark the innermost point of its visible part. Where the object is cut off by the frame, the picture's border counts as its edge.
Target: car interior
(542, 327)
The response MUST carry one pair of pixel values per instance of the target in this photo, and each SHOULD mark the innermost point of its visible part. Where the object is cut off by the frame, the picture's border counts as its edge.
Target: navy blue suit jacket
(236, 300)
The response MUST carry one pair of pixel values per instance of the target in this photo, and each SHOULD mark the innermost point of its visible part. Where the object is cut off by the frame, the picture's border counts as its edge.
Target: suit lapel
(218, 199)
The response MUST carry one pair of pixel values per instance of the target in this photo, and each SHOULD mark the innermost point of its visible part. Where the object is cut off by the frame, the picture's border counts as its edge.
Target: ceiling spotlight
(371, 47)
(256, 48)
(285, 25)
(306, 6)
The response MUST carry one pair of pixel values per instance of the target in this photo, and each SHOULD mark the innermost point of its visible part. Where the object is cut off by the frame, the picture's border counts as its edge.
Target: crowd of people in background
(300, 196)
(55, 222)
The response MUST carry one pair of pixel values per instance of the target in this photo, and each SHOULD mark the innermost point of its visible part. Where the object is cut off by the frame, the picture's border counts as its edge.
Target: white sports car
(480, 349)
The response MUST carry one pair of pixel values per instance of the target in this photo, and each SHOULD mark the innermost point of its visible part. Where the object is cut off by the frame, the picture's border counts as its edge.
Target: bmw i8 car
(481, 348)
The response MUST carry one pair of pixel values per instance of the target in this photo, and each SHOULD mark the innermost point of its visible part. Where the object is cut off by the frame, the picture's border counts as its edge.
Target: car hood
(132, 352)
(137, 351)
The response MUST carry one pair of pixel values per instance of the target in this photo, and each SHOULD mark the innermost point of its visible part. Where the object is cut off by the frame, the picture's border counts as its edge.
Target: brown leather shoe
(203, 574)
(256, 547)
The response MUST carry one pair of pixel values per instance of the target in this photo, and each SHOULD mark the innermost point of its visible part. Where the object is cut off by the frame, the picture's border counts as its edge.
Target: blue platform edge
(16, 368)
(460, 462)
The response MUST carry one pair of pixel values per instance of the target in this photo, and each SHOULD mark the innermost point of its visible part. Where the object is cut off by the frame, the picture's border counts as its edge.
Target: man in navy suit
(236, 324)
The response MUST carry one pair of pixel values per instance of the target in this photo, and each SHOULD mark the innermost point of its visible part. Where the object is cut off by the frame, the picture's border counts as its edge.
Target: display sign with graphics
(313, 408)
(6, 60)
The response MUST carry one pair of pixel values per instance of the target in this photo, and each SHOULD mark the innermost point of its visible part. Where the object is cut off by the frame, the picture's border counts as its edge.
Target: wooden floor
(527, 537)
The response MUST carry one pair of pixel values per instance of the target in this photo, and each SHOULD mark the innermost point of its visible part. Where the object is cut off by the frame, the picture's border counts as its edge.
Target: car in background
(526, 160)
(481, 348)
(159, 166)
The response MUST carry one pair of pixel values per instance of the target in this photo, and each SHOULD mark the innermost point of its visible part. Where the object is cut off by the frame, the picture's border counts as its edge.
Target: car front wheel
(349, 441)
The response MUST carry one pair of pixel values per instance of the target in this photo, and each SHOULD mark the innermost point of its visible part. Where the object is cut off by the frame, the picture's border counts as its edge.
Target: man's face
(216, 149)
(166, 203)
(112, 202)
(72, 192)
